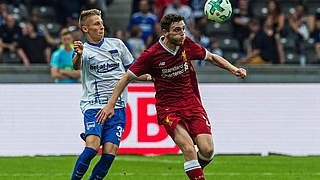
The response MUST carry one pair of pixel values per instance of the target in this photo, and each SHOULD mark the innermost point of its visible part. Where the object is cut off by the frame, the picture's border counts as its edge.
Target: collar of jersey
(166, 48)
(97, 45)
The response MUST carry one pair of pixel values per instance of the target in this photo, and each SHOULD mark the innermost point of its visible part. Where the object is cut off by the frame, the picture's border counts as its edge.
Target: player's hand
(149, 77)
(78, 47)
(240, 72)
(104, 113)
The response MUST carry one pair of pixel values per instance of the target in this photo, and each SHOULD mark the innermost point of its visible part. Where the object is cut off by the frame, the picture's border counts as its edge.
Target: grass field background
(166, 167)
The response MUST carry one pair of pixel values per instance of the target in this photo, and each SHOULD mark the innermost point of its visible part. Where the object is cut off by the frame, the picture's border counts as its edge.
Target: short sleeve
(197, 52)
(55, 59)
(317, 37)
(142, 66)
(257, 42)
(126, 56)
(1, 32)
(21, 43)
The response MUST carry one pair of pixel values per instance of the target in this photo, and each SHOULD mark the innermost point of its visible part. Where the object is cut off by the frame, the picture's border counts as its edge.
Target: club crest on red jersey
(184, 56)
(168, 121)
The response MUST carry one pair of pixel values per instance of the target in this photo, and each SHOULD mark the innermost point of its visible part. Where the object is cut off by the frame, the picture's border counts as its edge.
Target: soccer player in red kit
(178, 101)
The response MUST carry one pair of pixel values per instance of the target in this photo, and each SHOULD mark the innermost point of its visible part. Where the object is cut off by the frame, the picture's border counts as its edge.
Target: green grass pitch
(166, 167)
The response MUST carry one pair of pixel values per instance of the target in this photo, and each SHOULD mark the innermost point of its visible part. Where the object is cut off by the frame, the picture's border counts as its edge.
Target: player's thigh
(90, 123)
(184, 142)
(111, 137)
(205, 144)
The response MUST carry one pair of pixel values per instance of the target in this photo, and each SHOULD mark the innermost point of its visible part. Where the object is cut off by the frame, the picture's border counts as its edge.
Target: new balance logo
(162, 63)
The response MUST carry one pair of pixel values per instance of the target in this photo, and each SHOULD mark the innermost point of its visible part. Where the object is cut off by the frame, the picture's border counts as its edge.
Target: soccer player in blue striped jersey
(102, 62)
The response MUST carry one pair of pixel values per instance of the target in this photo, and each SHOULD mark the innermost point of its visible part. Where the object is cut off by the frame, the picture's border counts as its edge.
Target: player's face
(95, 28)
(176, 35)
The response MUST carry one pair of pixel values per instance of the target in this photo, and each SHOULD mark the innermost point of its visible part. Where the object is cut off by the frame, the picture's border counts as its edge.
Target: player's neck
(169, 45)
(93, 41)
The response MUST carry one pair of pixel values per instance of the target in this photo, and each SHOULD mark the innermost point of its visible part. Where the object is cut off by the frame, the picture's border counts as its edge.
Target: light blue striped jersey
(102, 67)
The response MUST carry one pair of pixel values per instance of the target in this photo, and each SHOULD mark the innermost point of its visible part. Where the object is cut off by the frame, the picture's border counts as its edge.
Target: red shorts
(195, 120)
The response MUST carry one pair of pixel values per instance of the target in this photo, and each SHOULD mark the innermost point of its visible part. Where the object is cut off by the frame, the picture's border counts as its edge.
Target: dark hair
(34, 26)
(168, 19)
(278, 9)
(254, 21)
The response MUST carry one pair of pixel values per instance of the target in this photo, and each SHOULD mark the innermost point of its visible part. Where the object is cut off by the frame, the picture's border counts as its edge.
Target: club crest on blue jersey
(114, 53)
(90, 125)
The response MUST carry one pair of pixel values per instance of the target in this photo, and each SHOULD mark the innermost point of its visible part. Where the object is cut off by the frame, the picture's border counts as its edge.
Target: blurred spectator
(156, 34)
(20, 9)
(72, 21)
(214, 47)
(317, 38)
(274, 10)
(10, 33)
(40, 28)
(254, 27)
(3, 11)
(176, 7)
(97, 4)
(161, 5)
(135, 42)
(65, 8)
(301, 25)
(202, 40)
(241, 17)
(33, 48)
(61, 61)
(119, 34)
(145, 19)
(77, 34)
(266, 46)
(197, 9)
(135, 5)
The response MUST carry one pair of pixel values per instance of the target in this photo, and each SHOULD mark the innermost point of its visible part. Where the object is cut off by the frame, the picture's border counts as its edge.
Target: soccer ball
(217, 10)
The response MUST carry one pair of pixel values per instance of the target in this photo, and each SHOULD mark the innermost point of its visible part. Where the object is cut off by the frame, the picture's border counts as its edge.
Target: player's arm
(77, 59)
(222, 63)
(108, 110)
(145, 77)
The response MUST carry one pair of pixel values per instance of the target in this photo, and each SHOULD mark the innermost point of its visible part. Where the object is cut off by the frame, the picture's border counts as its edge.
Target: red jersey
(174, 76)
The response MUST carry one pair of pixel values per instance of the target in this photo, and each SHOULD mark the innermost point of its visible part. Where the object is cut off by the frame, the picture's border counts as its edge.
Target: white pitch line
(159, 174)
(148, 160)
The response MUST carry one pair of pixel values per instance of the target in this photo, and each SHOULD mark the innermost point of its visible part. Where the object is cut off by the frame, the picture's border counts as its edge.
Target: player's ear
(164, 32)
(84, 29)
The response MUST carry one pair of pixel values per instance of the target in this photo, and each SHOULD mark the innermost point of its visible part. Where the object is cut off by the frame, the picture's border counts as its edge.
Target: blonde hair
(85, 14)
(64, 31)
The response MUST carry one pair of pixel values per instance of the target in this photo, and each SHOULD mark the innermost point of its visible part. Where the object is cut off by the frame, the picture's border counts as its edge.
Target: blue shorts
(110, 131)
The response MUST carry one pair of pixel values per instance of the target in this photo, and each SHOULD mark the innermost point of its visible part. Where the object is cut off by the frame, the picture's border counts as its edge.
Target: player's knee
(206, 151)
(93, 141)
(110, 148)
(188, 150)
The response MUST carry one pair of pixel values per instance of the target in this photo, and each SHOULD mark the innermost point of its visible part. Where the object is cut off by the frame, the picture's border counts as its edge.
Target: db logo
(142, 134)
